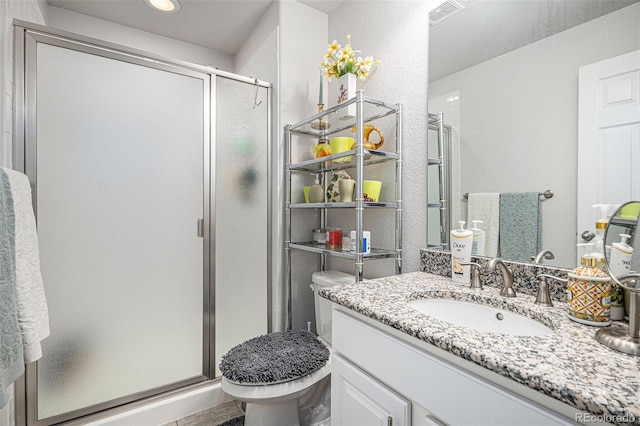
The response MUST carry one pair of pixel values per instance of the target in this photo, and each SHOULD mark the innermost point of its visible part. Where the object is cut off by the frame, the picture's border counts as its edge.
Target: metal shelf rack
(440, 160)
(323, 125)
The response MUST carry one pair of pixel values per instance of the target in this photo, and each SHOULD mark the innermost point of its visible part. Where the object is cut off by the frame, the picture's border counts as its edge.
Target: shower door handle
(201, 228)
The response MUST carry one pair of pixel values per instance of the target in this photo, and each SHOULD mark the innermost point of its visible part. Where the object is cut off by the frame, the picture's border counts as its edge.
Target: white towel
(11, 353)
(485, 206)
(33, 315)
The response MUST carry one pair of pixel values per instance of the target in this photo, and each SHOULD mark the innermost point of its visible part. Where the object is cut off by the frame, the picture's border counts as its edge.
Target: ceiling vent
(444, 11)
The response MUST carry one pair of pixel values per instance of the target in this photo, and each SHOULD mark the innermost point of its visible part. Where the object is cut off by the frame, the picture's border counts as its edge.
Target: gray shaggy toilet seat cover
(274, 358)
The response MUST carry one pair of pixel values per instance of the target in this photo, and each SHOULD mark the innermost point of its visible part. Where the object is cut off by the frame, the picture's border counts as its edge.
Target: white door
(608, 136)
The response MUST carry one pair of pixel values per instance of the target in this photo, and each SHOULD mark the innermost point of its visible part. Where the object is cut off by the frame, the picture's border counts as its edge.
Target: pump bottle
(477, 248)
(589, 292)
(316, 192)
(621, 254)
(461, 242)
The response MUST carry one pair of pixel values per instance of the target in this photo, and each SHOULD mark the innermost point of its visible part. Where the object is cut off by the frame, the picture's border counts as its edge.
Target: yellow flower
(368, 61)
(342, 60)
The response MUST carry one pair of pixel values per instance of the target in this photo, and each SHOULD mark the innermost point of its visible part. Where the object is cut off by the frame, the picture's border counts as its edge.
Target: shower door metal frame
(26, 36)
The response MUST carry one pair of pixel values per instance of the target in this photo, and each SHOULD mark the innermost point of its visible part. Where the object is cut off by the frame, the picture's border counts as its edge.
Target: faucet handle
(544, 297)
(507, 277)
(476, 284)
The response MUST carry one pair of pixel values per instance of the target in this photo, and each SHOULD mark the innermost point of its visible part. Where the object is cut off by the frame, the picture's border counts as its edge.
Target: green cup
(372, 189)
(341, 144)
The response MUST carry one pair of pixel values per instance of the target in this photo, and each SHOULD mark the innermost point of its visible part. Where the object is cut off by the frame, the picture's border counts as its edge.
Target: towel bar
(547, 194)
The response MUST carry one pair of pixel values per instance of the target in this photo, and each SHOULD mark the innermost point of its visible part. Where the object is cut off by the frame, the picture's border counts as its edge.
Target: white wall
(519, 119)
(303, 38)
(396, 33)
(115, 33)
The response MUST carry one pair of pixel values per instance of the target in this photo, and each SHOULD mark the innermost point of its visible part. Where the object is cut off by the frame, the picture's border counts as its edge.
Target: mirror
(514, 117)
(621, 242)
(622, 254)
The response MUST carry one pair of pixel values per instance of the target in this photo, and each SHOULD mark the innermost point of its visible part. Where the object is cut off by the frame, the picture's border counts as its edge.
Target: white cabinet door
(357, 399)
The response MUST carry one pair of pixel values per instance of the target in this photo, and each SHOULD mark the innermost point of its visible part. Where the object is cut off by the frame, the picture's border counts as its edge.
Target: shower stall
(151, 183)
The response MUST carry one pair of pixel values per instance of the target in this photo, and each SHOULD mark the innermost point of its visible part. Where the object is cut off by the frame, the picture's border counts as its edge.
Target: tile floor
(226, 414)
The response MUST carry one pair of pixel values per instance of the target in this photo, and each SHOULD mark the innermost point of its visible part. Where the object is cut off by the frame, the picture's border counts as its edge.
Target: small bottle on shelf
(316, 192)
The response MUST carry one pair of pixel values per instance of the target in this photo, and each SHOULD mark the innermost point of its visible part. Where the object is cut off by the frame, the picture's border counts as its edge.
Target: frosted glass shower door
(242, 273)
(121, 170)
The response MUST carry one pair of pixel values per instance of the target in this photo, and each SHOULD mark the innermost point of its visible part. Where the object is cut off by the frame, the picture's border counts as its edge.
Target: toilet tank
(323, 306)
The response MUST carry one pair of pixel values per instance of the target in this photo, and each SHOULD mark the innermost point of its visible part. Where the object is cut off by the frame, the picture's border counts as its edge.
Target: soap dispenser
(477, 248)
(621, 254)
(461, 242)
(316, 192)
(589, 292)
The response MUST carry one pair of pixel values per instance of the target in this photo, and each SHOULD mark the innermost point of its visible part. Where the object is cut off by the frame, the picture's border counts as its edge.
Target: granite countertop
(568, 364)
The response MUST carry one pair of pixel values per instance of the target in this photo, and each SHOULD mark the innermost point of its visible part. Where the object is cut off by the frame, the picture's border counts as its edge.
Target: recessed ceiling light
(170, 6)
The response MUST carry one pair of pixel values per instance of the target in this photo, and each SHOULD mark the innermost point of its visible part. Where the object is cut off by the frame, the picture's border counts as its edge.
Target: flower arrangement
(342, 60)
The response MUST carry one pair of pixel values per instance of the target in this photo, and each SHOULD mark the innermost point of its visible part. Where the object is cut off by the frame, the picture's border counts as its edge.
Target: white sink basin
(480, 317)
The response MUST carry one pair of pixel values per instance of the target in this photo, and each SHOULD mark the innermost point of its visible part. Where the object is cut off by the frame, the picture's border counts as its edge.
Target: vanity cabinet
(323, 126)
(440, 393)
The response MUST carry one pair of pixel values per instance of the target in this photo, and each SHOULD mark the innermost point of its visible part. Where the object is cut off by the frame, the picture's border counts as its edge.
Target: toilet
(279, 402)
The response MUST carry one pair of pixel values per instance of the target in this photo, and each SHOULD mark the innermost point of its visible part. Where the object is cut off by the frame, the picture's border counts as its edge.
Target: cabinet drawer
(450, 393)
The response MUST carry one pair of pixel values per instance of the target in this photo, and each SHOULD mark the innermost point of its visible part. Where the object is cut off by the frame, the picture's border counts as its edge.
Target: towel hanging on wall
(33, 315)
(23, 307)
(520, 236)
(11, 351)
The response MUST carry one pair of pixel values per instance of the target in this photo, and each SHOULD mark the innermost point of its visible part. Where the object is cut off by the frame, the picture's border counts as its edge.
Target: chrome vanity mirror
(622, 253)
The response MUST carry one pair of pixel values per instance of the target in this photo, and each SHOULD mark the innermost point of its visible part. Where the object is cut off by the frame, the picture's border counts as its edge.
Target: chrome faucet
(507, 277)
(544, 254)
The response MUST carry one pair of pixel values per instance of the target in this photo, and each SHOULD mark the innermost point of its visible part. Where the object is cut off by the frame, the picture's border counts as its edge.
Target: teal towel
(11, 350)
(520, 225)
